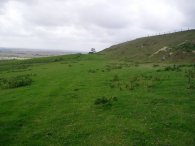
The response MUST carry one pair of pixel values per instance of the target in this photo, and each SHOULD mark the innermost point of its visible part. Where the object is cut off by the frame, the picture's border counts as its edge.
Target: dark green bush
(190, 74)
(155, 65)
(159, 70)
(114, 98)
(102, 101)
(115, 78)
(105, 101)
(112, 85)
(172, 68)
(91, 71)
(15, 82)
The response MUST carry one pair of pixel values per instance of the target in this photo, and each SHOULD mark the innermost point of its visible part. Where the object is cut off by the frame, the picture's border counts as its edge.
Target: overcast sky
(83, 24)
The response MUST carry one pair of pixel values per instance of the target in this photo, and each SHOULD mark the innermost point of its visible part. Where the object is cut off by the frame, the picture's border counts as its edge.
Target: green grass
(154, 106)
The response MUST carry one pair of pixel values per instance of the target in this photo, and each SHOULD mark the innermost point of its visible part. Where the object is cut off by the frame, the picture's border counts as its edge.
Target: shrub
(115, 78)
(158, 70)
(155, 65)
(91, 71)
(136, 65)
(168, 68)
(105, 101)
(118, 67)
(15, 82)
(112, 85)
(172, 68)
(190, 74)
(114, 98)
(102, 101)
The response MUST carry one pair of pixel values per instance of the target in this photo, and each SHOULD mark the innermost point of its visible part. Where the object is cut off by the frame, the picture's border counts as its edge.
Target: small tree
(92, 51)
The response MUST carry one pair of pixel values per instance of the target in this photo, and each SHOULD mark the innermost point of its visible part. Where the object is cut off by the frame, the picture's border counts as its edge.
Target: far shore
(12, 58)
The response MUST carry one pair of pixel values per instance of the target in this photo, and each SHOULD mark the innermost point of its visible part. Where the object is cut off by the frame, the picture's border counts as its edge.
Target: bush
(102, 101)
(115, 78)
(155, 65)
(91, 71)
(15, 82)
(114, 98)
(105, 101)
(190, 74)
(112, 85)
(159, 70)
(172, 68)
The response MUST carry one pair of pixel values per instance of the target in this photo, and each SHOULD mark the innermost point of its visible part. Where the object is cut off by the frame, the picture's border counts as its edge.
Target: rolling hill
(173, 47)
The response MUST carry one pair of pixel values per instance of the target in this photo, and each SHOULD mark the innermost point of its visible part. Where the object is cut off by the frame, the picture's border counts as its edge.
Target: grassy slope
(141, 49)
(58, 108)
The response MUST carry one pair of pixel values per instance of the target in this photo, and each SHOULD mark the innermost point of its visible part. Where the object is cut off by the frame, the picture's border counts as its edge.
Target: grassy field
(92, 101)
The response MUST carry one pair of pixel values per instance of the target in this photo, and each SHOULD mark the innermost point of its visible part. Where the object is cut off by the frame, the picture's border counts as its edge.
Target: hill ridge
(141, 49)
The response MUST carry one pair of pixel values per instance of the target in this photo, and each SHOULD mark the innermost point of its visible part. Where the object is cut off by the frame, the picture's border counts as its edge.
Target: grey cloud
(187, 8)
(49, 14)
(82, 24)
(104, 15)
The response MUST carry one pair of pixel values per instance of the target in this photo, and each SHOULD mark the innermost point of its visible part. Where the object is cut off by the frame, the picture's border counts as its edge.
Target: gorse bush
(15, 82)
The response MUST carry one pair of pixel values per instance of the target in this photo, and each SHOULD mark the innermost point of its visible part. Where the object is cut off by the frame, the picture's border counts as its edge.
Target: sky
(79, 25)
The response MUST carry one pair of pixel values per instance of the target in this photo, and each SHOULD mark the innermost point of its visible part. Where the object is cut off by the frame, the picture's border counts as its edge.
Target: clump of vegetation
(91, 71)
(114, 98)
(187, 46)
(112, 85)
(105, 101)
(15, 82)
(136, 64)
(191, 78)
(115, 78)
(141, 81)
(132, 84)
(172, 68)
(155, 65)
(187, 65)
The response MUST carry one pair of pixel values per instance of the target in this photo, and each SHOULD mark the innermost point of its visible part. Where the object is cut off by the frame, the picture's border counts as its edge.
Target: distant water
(21, 54)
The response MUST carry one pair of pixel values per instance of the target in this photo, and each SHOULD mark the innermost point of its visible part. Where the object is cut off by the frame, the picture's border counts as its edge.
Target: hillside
(171, 47)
